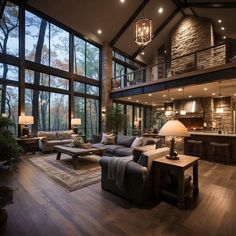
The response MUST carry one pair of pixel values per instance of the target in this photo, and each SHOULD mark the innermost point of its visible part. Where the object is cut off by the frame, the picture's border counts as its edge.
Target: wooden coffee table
(76, 153)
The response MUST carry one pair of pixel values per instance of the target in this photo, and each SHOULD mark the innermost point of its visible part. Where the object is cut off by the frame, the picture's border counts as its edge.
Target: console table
(178, 167)
(29, 144)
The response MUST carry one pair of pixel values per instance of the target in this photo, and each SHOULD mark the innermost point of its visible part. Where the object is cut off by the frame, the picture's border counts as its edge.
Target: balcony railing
(200, 60)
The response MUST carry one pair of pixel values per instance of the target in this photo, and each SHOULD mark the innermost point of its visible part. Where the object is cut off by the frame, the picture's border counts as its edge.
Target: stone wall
(190, 35)
(106, 81)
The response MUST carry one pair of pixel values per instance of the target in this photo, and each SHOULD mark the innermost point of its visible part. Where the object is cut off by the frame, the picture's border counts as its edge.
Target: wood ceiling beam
(128, 22)
(158, 30)
(194, 13)
(210, 5)
(178, 4)
(2, 7)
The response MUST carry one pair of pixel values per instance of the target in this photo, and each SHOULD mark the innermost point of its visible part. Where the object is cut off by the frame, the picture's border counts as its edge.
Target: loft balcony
(210, 64)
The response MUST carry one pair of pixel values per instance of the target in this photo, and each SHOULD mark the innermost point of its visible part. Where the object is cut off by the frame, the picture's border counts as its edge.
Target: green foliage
(9, 148)
(78, 142)
(158, 119)
(116, 120)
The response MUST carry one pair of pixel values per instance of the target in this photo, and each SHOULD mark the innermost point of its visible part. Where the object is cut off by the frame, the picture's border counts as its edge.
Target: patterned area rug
(63, 173)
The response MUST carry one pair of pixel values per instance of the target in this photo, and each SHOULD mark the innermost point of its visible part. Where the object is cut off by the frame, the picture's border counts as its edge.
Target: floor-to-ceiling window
(54, 79)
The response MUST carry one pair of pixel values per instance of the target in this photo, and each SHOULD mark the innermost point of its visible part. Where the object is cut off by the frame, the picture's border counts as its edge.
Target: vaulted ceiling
(116, 19)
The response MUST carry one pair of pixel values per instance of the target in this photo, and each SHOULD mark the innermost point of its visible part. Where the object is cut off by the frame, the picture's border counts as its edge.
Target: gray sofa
(122, 146)
(48, 139)
(138, 184)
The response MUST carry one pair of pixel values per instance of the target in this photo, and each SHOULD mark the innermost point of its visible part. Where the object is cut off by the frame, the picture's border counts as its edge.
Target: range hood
(193, 108)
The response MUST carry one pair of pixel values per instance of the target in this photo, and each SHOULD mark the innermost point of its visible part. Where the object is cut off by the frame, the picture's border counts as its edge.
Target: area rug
(63, 173)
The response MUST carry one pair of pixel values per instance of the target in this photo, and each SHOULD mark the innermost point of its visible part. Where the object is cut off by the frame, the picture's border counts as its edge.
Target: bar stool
(195, 148)
(220, 151)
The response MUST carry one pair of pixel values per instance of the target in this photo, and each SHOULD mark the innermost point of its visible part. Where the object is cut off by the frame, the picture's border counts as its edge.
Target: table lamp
(173, 128)
(26, 120)
(75, 122)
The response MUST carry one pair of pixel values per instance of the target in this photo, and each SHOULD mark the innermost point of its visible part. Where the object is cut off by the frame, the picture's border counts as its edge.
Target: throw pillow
(105, 137)
(110, 140)
(138, 142)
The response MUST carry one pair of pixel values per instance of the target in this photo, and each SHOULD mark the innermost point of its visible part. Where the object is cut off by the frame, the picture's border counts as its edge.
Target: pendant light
(220, 109)
(143, 31)
(183, 111)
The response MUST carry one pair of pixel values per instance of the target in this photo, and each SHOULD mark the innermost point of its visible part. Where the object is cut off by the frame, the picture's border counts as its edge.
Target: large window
(44, 80)
(9, 30)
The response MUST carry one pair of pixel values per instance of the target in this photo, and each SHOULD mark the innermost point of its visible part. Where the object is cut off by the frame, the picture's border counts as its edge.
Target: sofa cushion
(111, 148)
(110, 140)
(138, 142)
(105, 137)
(122, 152)
(125, 140)
(59, 142)
(61, 135)
(98, 145)
(48, 135)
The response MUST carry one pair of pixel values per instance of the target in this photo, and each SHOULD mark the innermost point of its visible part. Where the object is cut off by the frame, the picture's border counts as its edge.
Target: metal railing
(202, 59)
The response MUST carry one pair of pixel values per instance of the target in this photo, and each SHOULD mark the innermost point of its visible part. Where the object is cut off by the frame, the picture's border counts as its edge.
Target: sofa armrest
(43, 139)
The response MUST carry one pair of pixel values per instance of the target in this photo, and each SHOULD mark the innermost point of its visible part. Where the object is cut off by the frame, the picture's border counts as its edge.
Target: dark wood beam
(210, 5)
(2, 7)
(129, 21)
(158, 30)
(178, 4)
(194, 13)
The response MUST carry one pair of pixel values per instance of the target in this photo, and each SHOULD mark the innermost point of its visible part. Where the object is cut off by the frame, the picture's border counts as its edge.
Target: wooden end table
(76, 153)
(29, 144)
(179, 166)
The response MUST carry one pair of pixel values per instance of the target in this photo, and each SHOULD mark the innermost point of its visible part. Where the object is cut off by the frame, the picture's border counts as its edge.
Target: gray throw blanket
(116, 170)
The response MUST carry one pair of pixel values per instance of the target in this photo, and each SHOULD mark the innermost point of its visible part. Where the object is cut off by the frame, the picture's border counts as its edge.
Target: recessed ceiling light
(160, 10)
(172, 99)
(142, 53)
(222, 28)
(122, 1)
(99, 31)
(165, 51)
(205, 89)
(146, 102)
(154, 104)
(213, 94)
(129, 98)
(219, 21)
(180, 89)
(224, 37)
(137, 100)
(190, 96)
(163, 95)
(149, 94)
(235, 94)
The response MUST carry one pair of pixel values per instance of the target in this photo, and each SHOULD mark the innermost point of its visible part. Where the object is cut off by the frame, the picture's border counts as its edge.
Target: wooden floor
(42, 208)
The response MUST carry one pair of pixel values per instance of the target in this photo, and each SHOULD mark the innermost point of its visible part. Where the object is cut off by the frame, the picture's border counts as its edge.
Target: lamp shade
(26, 120)
(76, 121)
(174, 128)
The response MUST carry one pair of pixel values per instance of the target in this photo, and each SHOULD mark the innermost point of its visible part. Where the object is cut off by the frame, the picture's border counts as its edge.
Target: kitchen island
(207, 138)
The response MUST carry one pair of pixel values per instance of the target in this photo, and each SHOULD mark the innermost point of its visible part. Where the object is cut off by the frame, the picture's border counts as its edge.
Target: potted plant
(10, 151)
(115, 120)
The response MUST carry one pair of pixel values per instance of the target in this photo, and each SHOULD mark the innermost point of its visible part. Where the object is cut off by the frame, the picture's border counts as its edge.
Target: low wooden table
(179, 166)
(76, 153)
(29, 144)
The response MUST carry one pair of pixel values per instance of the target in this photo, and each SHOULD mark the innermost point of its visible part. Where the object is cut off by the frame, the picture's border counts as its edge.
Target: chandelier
(143, 31)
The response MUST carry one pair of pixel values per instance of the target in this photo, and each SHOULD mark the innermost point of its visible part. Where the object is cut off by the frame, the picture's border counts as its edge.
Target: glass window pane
(59, 111)
(92, 90)
(92, 117)
(92, 61)
(79, 56)
(39, 109)
(129, 113)
(9, 104)
(57, 82)
(80, 112)
(79, 87)
(33, 77)
(59, 48)
(9, 30)
(9, 72)
(36, 39)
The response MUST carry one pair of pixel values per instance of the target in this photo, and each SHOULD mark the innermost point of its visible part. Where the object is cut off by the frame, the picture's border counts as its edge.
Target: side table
(178, 166)
(29, 144)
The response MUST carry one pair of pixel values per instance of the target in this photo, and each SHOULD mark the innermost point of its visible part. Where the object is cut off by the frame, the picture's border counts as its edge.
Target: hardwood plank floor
(43, 208)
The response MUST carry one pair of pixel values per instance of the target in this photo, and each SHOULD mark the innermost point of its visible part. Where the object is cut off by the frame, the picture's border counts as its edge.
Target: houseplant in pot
(115, 119)
(10, 151)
